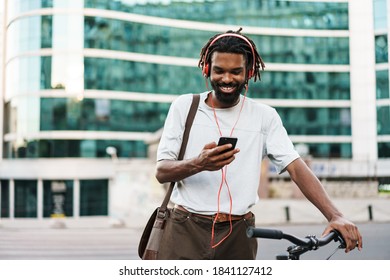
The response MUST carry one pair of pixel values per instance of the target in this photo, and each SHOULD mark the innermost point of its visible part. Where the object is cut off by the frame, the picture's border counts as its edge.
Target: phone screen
(228, 140)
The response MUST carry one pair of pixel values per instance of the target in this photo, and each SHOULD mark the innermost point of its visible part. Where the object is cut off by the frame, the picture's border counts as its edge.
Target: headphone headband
(206, 70)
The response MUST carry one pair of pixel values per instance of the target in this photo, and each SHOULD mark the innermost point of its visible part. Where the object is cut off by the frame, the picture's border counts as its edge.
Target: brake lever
(340, 239)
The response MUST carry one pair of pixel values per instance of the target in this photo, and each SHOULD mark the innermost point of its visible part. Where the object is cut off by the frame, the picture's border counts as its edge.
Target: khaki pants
(188, 237)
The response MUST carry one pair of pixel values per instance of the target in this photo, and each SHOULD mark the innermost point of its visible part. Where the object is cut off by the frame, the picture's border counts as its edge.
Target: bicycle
(301, 245)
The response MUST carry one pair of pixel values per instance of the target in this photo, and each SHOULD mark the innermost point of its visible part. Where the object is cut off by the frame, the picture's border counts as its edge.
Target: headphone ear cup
(206, 70)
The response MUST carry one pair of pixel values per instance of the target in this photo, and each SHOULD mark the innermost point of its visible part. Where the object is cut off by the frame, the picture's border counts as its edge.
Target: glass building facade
(83, 75)
(382, 76)
(70, 55)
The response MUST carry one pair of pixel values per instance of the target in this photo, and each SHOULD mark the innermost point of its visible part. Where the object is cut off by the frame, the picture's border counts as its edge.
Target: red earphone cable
(224, 180)
(216, 216)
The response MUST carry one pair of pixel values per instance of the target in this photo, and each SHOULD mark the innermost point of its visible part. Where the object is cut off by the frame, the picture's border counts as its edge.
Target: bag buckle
(161, 214)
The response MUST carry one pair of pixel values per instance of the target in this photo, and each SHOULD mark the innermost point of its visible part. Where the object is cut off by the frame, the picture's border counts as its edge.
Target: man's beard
(229, 99)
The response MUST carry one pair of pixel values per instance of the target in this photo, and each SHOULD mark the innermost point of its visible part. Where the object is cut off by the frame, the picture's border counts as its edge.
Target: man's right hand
(213, 157)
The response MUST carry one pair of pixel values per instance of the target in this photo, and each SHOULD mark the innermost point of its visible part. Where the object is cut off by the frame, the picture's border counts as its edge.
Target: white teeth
(227, 88)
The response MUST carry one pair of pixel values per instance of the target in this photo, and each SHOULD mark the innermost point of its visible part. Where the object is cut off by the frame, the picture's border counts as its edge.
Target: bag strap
(189, 121)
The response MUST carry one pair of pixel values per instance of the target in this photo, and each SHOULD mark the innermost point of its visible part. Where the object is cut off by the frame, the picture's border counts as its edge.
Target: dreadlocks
(232, 44)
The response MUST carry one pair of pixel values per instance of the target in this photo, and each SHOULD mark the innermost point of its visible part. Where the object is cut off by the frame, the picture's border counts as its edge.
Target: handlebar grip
(264, 233)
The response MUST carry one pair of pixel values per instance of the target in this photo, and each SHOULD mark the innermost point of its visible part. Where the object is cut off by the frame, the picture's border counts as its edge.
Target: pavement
(105, 238)
(122, 243)
(69, 243)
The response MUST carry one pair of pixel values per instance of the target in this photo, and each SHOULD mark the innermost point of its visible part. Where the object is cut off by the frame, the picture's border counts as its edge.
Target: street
(121, 243)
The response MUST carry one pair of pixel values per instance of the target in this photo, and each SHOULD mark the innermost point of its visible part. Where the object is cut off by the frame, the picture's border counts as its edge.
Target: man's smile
(227, 88)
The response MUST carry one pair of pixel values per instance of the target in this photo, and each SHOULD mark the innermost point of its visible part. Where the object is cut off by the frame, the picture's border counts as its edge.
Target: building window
(57, 198)
(94, 197)
(101, 115)
(270, 13)
(120, 75)
(382, 84)
(316, 121)
(4, 202)
(26, 199)
(330, 150)
(74, 148)
(384, 150)
(381, 49)
(302, 85)
(383, 120)
(380, 14)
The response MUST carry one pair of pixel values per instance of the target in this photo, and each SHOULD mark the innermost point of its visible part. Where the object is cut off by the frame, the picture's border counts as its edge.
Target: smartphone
(227, 140)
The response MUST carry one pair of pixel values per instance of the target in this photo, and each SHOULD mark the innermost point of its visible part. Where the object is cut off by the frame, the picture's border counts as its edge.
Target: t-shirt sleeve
(172, 135)
(279, 148)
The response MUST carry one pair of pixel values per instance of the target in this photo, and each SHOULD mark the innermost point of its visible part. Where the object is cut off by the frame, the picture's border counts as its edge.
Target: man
(217, 185)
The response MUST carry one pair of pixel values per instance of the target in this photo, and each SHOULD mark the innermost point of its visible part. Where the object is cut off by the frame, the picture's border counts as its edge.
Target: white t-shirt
(260, 133)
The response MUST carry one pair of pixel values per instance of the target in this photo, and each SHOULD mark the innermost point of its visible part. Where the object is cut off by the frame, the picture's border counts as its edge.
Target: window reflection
(302, 85)
(26, 199)
(66, 71)
(72, 73)
(305, 50)
(57, 198)
(102, 115)
(330, 150)
(316, 121)
(380, 14)
(142, 77)
(381, 49)
(66, 31)
(382, 84)
(383, 120)
(269, 13)
(112, 34)
(34, 73)
(93, 197)
(4, 198)
(110, 74)
(384, 150)
(44, 148)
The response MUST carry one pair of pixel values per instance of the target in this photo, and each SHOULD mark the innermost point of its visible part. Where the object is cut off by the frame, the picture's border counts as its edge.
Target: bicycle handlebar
(264, 233)
(309, 242)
